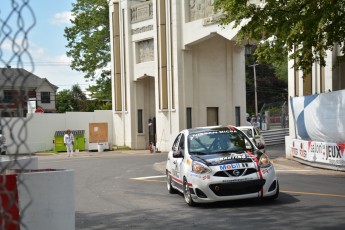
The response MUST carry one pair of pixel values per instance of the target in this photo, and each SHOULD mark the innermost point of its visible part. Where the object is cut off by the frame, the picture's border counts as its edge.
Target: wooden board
(98, 132)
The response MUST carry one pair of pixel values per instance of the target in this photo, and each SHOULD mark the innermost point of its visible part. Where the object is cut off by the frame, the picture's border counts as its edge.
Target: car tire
(169, 185)
(186, 193)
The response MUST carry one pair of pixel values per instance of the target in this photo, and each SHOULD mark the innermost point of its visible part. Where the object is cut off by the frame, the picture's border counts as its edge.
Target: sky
(45, 40)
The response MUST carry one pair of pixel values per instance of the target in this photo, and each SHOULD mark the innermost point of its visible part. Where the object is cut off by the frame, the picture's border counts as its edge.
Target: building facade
(21, 91)
(173, 67)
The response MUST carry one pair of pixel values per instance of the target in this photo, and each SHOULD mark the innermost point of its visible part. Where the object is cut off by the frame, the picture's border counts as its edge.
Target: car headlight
(200, 168)
(264, 161)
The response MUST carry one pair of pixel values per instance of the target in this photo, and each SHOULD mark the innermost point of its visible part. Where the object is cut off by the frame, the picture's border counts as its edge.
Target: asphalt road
(127, 190)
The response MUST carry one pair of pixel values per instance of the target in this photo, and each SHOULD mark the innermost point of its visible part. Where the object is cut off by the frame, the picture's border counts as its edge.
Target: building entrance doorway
(145, 102)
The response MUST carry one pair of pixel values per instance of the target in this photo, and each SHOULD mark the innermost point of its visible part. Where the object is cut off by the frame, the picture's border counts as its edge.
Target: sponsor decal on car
(234, 156)
(188, 162)
(267, 170)
(206, 177)
(230, 166)
(195, 175)
(194, 135)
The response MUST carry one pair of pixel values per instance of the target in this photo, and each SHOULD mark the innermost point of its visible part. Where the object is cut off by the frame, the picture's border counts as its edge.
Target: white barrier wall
(322, 153)
(36, 132)
(38, 199)
(50, 206)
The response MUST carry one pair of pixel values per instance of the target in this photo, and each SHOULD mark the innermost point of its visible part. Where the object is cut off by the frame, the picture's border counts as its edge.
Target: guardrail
(275, 136)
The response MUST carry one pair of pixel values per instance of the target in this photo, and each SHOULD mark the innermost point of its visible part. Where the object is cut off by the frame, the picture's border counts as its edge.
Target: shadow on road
(204, 216)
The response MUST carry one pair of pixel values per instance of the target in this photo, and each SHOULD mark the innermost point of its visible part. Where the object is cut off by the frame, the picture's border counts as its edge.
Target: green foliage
(106, 106)
(88, 41)
(281, 70)
(63, 101)
(305, 29)
(102, 89)
(121, 148)
(76, 100)
(69, 100)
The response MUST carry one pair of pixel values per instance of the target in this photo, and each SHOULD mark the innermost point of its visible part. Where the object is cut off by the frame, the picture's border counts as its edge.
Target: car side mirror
(260, 146)
(177, 154)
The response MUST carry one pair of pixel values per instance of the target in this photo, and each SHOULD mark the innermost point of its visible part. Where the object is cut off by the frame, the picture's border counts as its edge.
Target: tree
(305, 29)
(102, 89)
(63, 101)
(77, 93)
(89, 42)
(70, 100)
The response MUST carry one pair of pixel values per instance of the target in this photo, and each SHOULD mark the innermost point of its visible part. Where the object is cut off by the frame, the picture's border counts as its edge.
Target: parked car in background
(219, 163)
(3, 147)
(255, 135)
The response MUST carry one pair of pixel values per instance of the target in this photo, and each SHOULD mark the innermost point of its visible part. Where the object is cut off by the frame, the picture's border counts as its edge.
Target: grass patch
(117, 148)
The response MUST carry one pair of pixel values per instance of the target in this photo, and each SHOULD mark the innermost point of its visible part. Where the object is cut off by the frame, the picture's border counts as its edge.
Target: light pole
(255, 91)
(248, 52)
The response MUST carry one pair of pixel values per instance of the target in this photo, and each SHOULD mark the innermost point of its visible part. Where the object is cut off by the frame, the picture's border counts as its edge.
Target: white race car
(255, 135)
(219, 163)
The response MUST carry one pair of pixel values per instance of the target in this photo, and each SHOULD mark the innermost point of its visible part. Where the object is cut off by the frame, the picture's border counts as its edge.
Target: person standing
(69, 142)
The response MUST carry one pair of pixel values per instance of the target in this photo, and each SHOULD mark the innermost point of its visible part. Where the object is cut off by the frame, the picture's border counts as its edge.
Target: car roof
(245, 127)
(208, 128)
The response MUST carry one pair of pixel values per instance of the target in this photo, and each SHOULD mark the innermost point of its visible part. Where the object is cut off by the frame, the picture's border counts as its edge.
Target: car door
(178, 156)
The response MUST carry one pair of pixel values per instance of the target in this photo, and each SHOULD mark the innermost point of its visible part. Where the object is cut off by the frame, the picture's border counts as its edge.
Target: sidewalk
(96, 153)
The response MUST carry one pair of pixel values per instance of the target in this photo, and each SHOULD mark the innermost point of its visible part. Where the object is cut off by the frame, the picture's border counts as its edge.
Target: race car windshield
(213, 142)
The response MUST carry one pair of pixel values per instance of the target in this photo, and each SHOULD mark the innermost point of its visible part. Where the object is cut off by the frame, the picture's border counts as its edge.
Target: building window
(140, 121)
(189, 118)
(212, 116)
(238, 115)
(8, 97)
(45, 97)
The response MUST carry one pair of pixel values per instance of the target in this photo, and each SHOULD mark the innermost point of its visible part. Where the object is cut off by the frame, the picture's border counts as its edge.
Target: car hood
(227, 158)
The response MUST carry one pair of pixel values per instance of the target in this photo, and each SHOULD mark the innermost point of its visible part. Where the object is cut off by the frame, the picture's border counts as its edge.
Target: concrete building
(173, 67)
(321, 80)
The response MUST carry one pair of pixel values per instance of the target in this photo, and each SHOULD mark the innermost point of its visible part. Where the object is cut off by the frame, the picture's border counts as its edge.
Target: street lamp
(248, 49)
(255, 91)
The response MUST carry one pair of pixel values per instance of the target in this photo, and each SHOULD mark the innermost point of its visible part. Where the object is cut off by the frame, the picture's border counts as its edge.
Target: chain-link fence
(17, 19)
(274, 116)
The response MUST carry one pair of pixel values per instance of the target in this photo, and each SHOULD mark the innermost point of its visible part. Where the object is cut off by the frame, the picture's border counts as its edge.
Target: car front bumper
(210, 188)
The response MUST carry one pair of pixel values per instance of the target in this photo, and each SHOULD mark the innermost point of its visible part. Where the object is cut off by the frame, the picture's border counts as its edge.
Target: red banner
(9, 210)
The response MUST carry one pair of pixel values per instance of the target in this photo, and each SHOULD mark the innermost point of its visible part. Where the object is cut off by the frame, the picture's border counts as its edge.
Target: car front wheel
(187, 194)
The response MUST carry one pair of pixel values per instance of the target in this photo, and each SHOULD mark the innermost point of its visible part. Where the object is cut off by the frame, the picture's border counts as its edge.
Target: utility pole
(255, 91)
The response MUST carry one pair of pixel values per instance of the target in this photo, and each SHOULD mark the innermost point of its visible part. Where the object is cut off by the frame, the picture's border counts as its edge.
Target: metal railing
(275, 136)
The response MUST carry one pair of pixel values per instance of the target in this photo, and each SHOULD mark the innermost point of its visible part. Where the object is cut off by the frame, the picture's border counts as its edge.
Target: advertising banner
(319, 152)
(320, 117)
